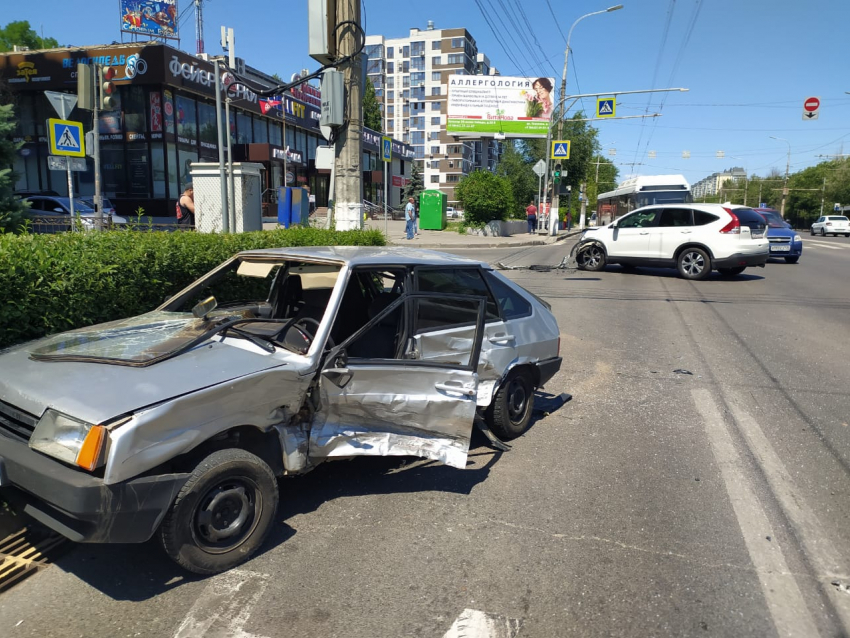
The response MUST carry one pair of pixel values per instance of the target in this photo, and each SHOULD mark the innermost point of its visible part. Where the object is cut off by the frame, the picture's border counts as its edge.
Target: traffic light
(108, 90)
(556, 176)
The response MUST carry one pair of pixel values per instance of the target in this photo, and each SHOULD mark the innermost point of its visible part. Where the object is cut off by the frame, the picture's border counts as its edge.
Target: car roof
(369, 255)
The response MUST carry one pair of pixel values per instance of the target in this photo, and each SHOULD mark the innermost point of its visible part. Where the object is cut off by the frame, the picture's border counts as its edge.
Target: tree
(416, 184)
(484, 197)
(517, 169)
(11, 208)
(21, 34)
(602, 179)
(371, 109)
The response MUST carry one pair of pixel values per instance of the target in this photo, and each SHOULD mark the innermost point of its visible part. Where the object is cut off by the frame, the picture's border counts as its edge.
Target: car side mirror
(205, 307)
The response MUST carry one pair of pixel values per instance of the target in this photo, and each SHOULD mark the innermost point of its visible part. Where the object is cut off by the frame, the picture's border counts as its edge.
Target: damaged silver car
(178, 422)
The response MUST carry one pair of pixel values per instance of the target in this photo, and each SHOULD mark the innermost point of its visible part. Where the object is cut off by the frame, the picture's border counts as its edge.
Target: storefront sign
(156, 112)
(168, 111)
(26, 70)
(400, 181)
(190, 72)
(290, 156)
(373, 141)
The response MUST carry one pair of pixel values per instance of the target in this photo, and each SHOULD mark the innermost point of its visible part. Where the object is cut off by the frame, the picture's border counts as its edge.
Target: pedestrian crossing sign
(387, 148)
(561, 149)
(606, 107)
(66, 138)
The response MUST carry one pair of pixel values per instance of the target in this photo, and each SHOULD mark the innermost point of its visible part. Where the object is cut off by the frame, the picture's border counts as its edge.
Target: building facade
(713, 184)
(163, 120)
(410, 75)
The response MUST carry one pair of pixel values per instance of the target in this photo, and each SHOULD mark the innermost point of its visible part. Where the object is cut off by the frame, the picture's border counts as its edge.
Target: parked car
(592, 220)
(29, 193)
(693, 238)
(451, 213)
(784, 241)
(268, 365)
(108, 208)
(50, 214)
(831, 224)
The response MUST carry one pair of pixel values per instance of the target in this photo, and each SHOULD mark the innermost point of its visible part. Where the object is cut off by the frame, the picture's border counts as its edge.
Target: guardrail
(49, 224)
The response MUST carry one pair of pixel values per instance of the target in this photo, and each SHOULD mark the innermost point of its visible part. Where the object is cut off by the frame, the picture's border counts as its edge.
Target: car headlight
(797, 238)
(69, 439)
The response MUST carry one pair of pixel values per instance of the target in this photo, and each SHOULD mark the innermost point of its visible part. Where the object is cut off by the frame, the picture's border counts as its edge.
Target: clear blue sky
(749, 64)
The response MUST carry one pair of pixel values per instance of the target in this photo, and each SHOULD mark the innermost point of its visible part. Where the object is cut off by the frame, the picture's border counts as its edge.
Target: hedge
(51, 283)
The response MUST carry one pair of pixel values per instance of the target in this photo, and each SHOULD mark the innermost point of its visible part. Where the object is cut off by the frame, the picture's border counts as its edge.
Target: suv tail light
(734, 225)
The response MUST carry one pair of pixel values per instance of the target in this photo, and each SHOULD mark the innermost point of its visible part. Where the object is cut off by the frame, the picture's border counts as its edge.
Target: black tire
(591, 258)
(847, 234)
(509, 415)
(812, 232)
(235, 487)
(731, 272)
(792, 260)
(694, 263)
(823, 232)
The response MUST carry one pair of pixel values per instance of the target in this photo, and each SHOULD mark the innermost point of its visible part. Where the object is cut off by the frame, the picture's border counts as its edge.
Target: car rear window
(750, 218)
(838, 219)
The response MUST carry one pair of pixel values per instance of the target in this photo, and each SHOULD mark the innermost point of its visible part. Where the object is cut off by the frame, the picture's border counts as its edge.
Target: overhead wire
(498, 39)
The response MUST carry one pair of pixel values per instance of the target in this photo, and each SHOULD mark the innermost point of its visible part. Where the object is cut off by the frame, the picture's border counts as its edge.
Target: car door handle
(686, 232)
(646, 233)
(450, 387)
(500, 337)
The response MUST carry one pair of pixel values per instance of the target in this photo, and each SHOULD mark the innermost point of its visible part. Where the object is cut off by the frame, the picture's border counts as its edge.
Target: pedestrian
(410, 217)
(312, 200)
(186, 207)
(531, 213)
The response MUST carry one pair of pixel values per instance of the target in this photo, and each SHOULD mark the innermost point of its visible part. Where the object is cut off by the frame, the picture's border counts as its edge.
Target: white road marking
(224, 606)
(784, 601)
(827, 562)
(823, 244)
(477, 624)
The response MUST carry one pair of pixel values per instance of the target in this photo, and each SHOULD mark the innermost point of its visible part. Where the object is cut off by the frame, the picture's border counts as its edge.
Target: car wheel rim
(517, 400)
(227, 515)
(693, 264)
(592, 257)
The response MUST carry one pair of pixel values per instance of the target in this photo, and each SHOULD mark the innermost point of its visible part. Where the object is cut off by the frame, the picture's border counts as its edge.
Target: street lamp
(787, 168)
(556, 198)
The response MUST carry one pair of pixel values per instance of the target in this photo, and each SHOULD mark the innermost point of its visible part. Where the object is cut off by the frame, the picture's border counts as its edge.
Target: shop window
(135, 112)
(139, 170)
(112, 169)
(158, 171)
(244, 135)
(261, 131)
(275, 134)
(185, 159)
(207, 125)
(174, 189)
(187, 123)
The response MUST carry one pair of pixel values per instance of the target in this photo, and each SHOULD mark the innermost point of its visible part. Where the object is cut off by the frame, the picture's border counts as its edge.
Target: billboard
(156, 18)
(487, 105)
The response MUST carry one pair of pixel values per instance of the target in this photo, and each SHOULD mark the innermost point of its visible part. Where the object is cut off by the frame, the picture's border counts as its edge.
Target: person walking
(531, 213)
(410, 217)
(186, 207)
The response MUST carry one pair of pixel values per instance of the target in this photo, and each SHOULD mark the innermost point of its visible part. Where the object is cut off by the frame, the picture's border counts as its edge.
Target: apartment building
(711, 185)
(410, 75)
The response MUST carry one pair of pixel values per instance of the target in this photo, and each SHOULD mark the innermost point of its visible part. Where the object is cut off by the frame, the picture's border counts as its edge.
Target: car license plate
(780, 249)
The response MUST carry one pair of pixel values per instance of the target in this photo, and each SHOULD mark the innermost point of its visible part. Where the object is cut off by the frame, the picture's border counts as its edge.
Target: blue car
(784, 241)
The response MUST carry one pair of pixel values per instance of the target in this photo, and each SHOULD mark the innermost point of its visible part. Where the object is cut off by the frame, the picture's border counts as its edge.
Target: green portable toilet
(432, 210)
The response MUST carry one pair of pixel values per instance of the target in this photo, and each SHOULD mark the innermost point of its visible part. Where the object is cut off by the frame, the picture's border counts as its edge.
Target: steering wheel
(310, 336)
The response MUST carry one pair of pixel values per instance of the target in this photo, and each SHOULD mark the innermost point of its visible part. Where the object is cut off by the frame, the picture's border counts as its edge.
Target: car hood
(98, 392)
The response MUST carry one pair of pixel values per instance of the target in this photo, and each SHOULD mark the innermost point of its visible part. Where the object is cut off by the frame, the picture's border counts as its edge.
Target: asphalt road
(697, 484)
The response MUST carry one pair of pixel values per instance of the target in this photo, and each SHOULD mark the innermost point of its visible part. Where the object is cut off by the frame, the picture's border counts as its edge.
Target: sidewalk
(395, 232)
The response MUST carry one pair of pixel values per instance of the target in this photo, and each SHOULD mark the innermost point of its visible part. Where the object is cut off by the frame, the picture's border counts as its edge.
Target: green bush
(51, 283)
(484, 197)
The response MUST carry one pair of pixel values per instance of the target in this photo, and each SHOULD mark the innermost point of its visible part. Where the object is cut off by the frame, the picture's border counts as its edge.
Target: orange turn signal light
(89, 453)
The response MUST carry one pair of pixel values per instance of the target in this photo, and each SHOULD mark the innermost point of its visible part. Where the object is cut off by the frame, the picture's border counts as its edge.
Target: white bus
(636, 192)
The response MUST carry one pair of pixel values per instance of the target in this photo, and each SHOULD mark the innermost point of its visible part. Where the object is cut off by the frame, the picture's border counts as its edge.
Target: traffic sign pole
(387, 157)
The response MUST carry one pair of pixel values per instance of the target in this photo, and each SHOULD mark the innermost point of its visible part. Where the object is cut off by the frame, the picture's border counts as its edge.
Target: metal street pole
(231, 200)
(822, 195)
(787, 170)
(98, 194)
(560, 112)
(348, 200)
(222, 172)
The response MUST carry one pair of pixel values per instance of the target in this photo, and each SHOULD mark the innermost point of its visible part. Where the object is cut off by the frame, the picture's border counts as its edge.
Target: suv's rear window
(750, 218)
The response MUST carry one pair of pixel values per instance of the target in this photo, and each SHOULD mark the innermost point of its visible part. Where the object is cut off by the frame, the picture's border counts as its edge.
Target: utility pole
(348, 199)
(222, 173)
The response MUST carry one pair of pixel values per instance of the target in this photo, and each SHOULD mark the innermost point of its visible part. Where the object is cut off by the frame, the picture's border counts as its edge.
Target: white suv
(694, 238)
(834, 224)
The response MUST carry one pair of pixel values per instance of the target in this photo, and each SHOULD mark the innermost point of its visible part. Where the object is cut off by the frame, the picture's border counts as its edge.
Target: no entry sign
(811, 108)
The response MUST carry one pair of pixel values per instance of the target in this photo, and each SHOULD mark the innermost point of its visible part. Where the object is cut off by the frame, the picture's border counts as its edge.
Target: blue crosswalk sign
(387, 149)
(561, 149)
(66, 138)
(606, 107)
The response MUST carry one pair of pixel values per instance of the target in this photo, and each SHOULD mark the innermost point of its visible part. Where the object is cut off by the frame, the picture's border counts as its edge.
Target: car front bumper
(742, 259)
(79, 505)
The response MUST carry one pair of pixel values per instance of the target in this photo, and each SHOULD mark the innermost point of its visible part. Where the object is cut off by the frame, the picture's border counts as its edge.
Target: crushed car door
(378, 398)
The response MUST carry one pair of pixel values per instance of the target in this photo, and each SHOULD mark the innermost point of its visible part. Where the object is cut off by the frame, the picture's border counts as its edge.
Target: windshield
(135, 340)
(838, 219)
(774, 220)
